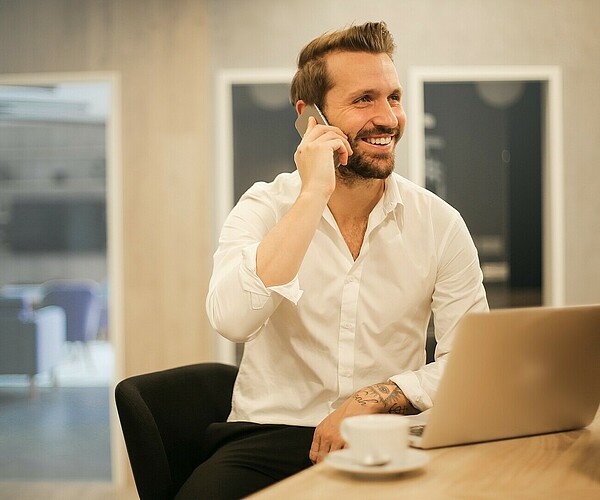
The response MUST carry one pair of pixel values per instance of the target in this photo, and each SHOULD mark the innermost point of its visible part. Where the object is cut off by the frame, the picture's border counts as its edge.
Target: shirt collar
(391, 195)
(392, 200)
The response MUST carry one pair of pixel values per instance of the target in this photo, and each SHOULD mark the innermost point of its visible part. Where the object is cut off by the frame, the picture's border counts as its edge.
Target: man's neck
(355, 200)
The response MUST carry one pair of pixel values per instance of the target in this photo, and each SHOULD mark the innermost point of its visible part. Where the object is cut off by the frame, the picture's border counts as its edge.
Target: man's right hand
(314, 157)
(280, 253)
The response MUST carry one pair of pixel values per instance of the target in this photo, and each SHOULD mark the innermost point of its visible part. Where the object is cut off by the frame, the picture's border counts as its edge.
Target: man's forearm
(385, 397)
(282, 251)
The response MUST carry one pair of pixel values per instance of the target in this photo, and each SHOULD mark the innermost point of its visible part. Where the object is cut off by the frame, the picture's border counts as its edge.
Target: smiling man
(331, 275)
(364, 85)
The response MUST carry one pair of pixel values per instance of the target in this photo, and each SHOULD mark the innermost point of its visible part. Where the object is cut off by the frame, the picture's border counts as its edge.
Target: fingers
(338, 445)
(315, 447)
(313, 129)
(318, 450)
(331, 136)
(333, 143)
(323, 444)
(312, 122)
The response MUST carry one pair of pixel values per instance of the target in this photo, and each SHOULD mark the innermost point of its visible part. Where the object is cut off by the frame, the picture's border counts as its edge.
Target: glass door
(56, 366)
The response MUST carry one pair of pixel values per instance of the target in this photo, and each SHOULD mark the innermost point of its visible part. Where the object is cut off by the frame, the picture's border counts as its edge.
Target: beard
(363, 166)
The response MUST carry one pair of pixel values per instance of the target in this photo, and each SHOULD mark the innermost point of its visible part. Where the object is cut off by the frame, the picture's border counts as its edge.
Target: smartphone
(302, 124)
(302, 120)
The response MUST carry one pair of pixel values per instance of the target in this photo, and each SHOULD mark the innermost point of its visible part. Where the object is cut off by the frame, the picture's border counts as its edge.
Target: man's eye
(395, 97)
(364, 98)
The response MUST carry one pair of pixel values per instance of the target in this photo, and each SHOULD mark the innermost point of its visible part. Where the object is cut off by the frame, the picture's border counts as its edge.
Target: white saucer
(344, 460)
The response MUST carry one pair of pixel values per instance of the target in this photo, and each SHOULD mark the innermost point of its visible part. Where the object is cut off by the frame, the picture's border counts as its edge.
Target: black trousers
(247, 457)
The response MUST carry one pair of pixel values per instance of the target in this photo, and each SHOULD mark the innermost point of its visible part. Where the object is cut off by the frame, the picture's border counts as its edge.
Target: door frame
(553, 239)
(114, 221)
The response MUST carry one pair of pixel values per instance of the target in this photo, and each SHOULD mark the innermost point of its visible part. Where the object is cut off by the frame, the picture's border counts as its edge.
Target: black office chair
(164, 416)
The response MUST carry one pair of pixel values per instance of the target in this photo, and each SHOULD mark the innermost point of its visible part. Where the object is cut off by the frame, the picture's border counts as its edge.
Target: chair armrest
(164, 416)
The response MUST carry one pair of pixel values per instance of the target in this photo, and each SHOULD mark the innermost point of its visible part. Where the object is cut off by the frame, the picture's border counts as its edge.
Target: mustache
(379, 130)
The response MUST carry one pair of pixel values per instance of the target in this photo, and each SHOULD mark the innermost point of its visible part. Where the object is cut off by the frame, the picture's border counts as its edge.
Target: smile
(379, 141)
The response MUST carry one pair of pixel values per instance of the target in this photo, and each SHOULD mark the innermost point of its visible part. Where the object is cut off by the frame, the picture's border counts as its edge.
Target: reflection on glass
(264, 137)
(483, 155)
(55, 357)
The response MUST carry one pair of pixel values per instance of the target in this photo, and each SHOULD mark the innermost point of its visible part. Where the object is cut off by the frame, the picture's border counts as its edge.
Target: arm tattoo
(388, 395)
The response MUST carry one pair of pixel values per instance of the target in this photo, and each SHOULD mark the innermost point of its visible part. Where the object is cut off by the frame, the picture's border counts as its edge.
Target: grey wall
(269, 34)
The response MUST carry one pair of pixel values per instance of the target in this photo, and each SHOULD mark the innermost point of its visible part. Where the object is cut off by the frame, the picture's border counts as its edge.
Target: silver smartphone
(302, 120)
(302, 124)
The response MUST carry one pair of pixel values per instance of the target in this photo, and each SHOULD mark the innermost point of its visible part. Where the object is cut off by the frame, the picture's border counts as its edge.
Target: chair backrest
(164, 416)
(79, 299)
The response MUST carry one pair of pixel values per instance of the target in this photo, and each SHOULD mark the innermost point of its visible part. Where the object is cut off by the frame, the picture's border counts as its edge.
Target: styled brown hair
(311, 82)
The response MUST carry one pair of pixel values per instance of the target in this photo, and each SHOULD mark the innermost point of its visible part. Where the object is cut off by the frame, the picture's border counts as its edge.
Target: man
(330, 276)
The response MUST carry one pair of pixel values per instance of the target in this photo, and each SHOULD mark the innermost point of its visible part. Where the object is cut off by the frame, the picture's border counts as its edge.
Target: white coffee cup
(376, 439)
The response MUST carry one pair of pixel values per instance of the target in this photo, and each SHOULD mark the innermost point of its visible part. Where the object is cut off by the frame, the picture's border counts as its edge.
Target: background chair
(30, 341)
(164, 416)
(79, 299)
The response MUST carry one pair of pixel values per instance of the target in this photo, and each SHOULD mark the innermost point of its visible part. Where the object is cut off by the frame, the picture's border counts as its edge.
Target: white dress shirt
(341, 324)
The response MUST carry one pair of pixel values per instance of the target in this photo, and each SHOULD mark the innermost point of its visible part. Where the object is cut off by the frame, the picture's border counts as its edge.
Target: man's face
(365, 102)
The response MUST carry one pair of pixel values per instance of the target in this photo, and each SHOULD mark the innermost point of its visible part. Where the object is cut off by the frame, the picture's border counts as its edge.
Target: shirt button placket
(347, 334)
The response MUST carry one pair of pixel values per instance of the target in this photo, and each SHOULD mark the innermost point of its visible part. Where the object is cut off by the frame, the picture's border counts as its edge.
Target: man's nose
(386, 115)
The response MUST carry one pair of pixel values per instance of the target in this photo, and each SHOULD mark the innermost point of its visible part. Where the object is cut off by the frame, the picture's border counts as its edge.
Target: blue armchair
(30, 341)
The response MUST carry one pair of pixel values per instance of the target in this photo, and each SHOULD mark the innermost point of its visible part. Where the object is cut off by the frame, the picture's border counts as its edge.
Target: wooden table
(564, 465)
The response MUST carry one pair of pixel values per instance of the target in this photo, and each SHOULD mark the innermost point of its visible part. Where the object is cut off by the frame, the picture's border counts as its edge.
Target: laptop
(516, 372)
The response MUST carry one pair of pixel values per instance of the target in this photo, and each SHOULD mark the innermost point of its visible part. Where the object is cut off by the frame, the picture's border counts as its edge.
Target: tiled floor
(12, 490)
(63, 433)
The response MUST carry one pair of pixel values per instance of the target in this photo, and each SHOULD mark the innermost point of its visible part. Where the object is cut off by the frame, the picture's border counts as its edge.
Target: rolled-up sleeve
(252, 284)
(238, 304)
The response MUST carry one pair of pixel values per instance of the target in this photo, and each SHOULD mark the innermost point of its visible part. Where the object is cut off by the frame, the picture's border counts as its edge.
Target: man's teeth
(378, 140)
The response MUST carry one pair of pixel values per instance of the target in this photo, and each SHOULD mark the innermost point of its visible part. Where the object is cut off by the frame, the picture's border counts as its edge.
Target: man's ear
(300, 105)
